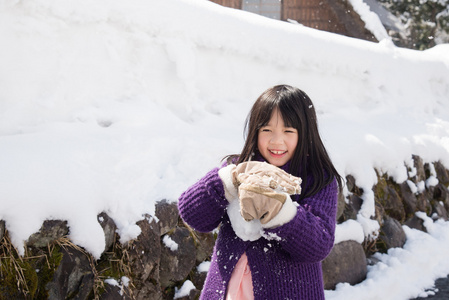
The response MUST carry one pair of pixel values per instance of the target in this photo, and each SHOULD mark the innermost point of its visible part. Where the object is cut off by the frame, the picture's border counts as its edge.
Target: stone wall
(148, 268)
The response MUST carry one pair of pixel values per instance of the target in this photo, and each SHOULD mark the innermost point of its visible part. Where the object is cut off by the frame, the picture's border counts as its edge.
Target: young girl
(273, 246)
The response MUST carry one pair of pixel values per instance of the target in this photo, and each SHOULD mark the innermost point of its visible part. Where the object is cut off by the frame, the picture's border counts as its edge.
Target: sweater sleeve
(309, 236)
(203, 205)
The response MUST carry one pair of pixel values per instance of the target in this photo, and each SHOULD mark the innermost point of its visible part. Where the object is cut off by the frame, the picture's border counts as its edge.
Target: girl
(273, 247)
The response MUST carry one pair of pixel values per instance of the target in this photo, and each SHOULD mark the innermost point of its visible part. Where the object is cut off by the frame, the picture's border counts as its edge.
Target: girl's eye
(290, 131)
(265, 130)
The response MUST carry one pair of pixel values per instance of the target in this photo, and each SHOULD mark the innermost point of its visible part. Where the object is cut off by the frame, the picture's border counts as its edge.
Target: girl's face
(276, 142)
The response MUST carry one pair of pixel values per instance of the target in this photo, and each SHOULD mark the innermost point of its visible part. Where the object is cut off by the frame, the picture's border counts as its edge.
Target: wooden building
(335, 16)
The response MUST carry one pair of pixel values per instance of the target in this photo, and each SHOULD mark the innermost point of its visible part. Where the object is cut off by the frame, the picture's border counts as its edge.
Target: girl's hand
(285, 181)
(262, 197)
(259, 199)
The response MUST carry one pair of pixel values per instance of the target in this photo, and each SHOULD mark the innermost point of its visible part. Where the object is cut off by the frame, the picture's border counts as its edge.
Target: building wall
(267, 8)
(329, 15)
(312, 13)
(229, 3)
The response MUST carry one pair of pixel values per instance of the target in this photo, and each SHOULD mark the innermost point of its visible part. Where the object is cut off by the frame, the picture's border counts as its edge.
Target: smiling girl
(284, 189)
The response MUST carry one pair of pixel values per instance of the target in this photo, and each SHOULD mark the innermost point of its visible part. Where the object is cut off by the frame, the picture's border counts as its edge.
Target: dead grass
(12, 265)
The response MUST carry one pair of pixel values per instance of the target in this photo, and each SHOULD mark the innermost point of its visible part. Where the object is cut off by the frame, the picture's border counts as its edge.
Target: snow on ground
(112, 105)
(404, 273)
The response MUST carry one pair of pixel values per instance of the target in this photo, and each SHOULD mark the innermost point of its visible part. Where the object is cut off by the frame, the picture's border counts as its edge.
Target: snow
(349, 230)
(109, 106)
(124, 280)
(203, 267)
(247, 231)
(184, 290)
(169, 243)
(112, 281)
(404, 273)
(390, 21)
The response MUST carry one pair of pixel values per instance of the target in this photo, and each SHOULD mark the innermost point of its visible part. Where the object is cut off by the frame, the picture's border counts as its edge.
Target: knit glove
(263, 197)
(284, 180)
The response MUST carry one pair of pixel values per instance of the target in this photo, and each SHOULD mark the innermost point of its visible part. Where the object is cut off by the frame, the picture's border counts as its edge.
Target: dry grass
(121, 259)
(13, 262)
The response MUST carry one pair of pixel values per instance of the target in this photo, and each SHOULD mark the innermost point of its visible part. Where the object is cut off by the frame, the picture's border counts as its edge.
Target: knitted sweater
(285, 263)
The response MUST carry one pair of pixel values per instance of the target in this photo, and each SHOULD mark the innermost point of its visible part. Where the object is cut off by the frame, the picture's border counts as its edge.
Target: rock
(352, 187)
(428, 170)
(2, 229)
(438, 210)
(420, 172)
(356, 202)
(390, 200)
(340, 205)
(177, 264)
(409, 199)
(204, 245)
(144, 260)
(147, 291)
(351, 208)
(442, 173)
(198, 279)
(350, 183)
(50, 231)
(441, 194)
(109, 229)
(393, 205)
(113, 292)
(392, 233)
(345, 263)
(73, 278)
(423, 203)
(379, 213)
(415, 223)
(167, 215)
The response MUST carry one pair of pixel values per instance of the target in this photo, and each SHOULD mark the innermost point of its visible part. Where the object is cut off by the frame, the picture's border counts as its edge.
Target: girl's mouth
(277, 153)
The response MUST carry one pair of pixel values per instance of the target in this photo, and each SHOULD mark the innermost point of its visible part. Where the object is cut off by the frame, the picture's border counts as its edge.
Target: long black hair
(310, 158)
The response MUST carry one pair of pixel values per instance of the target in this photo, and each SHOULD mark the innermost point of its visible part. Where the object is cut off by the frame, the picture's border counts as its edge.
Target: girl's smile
(277, 142)
(277, 152)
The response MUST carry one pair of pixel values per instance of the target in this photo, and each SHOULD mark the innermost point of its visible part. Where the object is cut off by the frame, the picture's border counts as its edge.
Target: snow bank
(404, 273)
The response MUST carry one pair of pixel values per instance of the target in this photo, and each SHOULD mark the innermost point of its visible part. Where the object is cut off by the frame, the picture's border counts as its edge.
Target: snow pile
(109, 106)
(404, 273)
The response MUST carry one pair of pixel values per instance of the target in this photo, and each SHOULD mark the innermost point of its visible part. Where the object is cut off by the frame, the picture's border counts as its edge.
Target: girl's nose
(277, 139)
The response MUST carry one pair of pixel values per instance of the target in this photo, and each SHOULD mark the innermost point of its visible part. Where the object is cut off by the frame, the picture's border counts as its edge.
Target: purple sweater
(288, 267)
